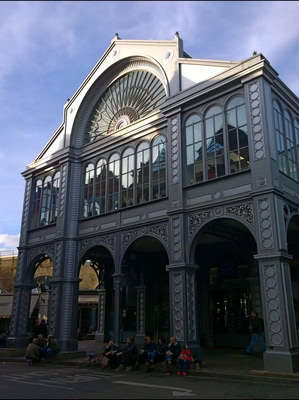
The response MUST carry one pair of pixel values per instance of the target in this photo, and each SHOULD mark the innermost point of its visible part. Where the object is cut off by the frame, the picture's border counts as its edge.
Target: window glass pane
(244, 158)
(231, 118)
(234, 162)
(236, 101)
(210, 148)
(232, 139)
(241, 112)
(218, 123)
(190, 174)
(198, 151)
(197, 132)
(189, 135)
(213, 111)
(193, 119)
(243, 138)
(209, 128)
(220, 166)
(219, 144)
(158, 140)
(198, 172)
(190, 156)
(211, 169)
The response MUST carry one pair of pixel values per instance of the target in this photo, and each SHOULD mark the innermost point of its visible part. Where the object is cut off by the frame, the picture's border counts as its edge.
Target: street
(19, 381)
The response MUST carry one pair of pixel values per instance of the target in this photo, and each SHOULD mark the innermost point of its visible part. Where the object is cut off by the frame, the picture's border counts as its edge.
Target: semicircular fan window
(129, 98)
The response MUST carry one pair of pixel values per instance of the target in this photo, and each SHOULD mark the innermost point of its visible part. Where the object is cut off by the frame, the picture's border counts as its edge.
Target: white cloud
(8, 242)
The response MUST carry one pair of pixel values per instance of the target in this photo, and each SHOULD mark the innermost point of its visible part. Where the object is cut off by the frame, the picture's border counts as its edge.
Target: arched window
(55, 196)
(282, 159)
(36, 206)
(194, 156)
(159, 167)
(100, 191)
(142, 173)
(237, 134)
(291, 146)
(46, 201)
(127, 178)
(113, 182)
(88, 191)
(214, 147)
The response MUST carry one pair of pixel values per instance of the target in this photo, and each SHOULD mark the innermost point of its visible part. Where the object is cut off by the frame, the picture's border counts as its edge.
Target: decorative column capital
(273, 256)
(182, 266)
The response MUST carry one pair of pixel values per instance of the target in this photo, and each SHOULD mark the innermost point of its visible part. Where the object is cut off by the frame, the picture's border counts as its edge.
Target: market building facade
(176, 180)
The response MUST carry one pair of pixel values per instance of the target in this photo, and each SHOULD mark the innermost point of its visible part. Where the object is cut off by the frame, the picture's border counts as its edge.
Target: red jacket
(186, 355)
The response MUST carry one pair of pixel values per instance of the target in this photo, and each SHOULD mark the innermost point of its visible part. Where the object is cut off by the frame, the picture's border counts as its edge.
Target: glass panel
(211, 169)
(189, 135)
(197, 132)
(236, 101)
(209, 128)
(219, 144)
(231, 119)
(241, 116)
(234, 161)
(198, 151)
(220, 166)
(190, 156)
(232, 139)
(218, 123)
(213, 111)
(193, 120)
(198, 172)
(244, 158)
(190, 174)
(243, 138)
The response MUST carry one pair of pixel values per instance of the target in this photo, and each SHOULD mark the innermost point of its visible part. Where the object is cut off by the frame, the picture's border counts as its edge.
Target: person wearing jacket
(183, 361)
(128, 356)
(110, 352)
(172, 354)
(257, 332)
(32, 353)
(149, 350)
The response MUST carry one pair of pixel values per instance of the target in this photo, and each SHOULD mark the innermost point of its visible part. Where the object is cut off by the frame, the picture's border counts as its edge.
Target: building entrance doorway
(145, 290)
(228, 283)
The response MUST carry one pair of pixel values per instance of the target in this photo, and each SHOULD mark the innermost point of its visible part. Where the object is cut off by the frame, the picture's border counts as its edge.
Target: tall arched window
(142, 173)
(237, 134)
(291, 146)
(113, 182)
(159, 167)
(214, 148)
(100, 190)
(36, 206)
(89, 191)
(282, 159)
(46, 201)
(194, 156)
(127, 178)
(55, 196)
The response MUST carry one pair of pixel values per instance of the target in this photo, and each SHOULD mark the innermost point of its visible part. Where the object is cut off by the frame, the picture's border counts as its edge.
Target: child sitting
(183, 361)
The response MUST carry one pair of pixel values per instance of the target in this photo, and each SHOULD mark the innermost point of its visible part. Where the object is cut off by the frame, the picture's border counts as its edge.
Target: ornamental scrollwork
(244, 211)
(49, 250)
(108, 240)
(195, 220)
(160, 230)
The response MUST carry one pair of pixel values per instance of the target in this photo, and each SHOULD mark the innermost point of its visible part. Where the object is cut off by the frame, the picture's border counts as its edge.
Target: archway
(228, 283)
(41, 291)
(293, 249)
(145, 290)
(96, 295)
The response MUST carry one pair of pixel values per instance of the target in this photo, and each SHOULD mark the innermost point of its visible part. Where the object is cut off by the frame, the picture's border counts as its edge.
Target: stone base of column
(139, 339)
(281, 361)
(68, 345)
(17, 341)
(99, 337)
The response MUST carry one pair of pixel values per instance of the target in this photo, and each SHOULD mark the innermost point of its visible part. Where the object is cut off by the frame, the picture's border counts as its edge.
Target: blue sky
(47, 49)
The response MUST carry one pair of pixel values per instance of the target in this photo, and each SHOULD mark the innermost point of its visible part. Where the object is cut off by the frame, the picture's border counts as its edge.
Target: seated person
(41, 343)
(110, 352)
(161, 349)
(52, 348)
(172, 354)
(183, 361)
(127, 356)
(148, 352)
(32, 353)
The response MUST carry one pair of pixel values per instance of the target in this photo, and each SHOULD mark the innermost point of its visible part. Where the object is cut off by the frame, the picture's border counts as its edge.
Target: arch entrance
(145, 291)
(41, 274)
(228, 283)
(96, 295)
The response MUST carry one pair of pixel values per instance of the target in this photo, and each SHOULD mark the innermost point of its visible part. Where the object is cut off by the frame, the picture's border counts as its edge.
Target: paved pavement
(221, 363)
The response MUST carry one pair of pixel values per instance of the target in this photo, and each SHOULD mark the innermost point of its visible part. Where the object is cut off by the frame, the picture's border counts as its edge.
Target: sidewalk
(218, 363)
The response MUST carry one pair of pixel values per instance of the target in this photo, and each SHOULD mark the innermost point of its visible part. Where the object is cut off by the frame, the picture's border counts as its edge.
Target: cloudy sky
(47, 49)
